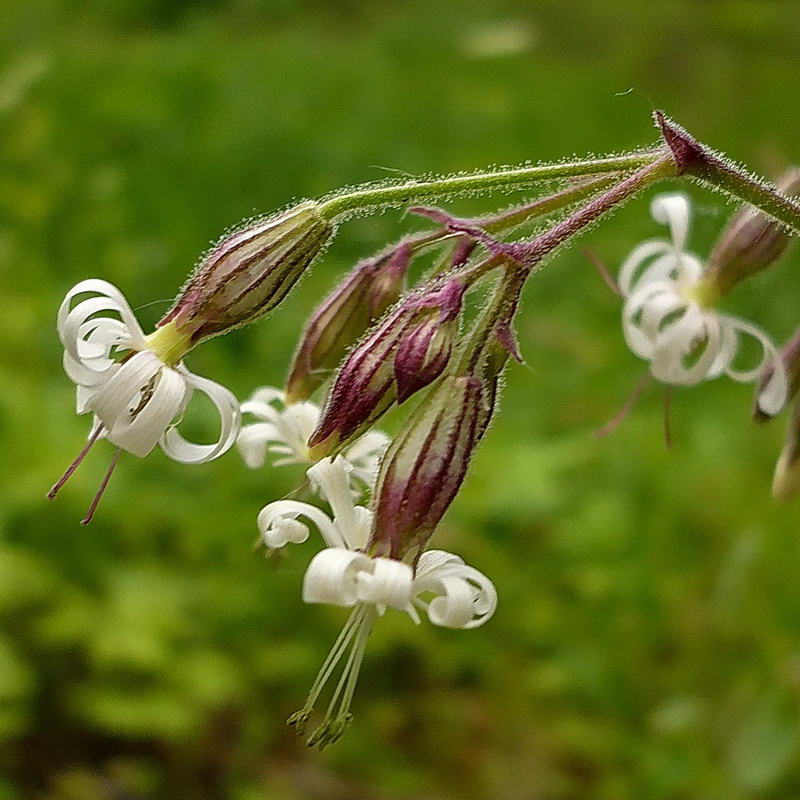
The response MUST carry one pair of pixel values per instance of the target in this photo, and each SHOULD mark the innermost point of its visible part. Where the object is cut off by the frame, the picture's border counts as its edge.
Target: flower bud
(425, 466)
(786, 481)
(751, 242)
(249, 272)
(342, 318)
(404, 353)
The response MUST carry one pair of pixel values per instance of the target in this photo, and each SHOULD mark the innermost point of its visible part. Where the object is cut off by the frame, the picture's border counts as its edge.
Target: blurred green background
(647, 640)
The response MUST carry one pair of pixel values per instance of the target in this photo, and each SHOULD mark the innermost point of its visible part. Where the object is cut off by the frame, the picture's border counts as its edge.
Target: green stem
(370, 197)
(527, 256)
(720, 175)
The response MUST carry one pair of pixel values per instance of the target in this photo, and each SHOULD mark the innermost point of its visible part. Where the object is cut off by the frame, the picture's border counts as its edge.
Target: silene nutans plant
(377, 342)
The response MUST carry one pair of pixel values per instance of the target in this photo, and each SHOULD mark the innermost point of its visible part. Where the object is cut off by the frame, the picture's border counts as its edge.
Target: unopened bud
(425, 466)
(751, 242)
(249, 272)
(344, 316)
(786, 481)
(404, 353)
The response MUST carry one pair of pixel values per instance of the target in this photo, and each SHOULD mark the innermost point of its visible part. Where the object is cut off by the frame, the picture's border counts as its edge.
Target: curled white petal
(626, 278)
(333, 577)
(179, 449)
(273, 514)
(696, 334)
(283, 531)
(673, 210)
(252, 442)
(137, 403)
(388, 583)
(77, 327)
(465, 598)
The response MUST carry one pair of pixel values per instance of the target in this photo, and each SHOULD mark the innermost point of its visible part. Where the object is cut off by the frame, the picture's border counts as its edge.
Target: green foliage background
(646, 644)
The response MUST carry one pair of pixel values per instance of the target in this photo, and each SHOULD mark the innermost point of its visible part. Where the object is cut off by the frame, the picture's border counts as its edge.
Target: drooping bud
(249, 272)
(425, 466)
(751, 242)
(343, 317)
(786, 480)
(405, 352)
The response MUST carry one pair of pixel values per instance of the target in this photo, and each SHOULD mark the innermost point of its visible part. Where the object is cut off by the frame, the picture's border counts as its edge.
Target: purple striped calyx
(405, 352)
(248, 272)
(344, 316)
(425, 466)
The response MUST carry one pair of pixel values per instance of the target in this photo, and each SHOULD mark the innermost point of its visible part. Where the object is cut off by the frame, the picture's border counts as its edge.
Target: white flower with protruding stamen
(129, 382)
(452, 594)
(284, 431)
(669, 322)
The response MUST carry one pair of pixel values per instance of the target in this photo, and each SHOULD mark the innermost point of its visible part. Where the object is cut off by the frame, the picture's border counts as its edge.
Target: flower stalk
(364, 199)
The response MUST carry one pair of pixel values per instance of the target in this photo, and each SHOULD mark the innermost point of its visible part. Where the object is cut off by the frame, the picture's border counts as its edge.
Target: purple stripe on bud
(405, 352)
(250, 271)
(421, 356)
(425, 466)
(343, 317)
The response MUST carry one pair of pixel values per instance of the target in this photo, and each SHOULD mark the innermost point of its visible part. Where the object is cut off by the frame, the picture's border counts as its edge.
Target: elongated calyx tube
(249, 272)
(425, 466)
(405, 352)
(751, 241)
(344, 315)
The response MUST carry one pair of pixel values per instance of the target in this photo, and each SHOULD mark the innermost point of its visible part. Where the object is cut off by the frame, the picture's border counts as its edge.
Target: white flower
(666, 322)
(136, 397)
(348, 526)
(462, 597)
(284, 430)
(452, 594)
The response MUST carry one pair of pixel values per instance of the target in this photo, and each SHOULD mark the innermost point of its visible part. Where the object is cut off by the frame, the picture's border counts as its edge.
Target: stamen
(601, 268)
(626, 409)
(75, 464)
(668, 417)
(95, 502)
(299, 718)
(354, 636)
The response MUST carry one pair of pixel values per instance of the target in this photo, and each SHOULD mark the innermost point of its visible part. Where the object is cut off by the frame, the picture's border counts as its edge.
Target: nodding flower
(135, 386)
(669, 318)
(451, 593)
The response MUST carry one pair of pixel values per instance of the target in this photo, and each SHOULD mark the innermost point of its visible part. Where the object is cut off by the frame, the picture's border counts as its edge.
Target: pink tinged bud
(343, 317)
(425, 466)
(249, 272)
(403, 354)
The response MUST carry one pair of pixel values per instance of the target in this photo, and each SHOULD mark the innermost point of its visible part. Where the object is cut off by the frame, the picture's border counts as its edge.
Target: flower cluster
(374, 344)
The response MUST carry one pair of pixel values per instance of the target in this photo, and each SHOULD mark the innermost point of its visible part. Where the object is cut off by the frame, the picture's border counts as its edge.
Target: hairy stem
(371, 197)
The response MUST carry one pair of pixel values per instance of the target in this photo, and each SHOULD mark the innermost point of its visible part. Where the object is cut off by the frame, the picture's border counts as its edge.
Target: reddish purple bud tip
(686, 150)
